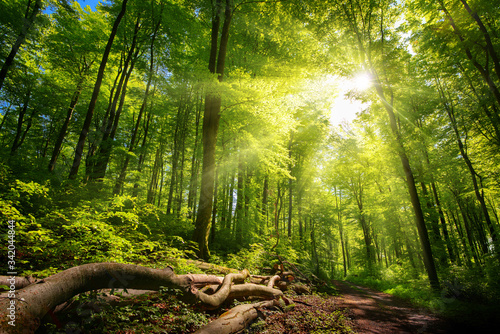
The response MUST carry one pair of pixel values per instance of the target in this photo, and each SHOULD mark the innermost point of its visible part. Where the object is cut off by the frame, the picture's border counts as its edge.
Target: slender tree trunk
(468, 231)
(215, 206)
(97, 87)
(338, 204)
(412, 189)
(153, 184)
(64, 128)
(106, 147)
(290, 190)
(112, 101)
(265, 196)
(4, 118)
(121, 179)
(314, 250)
(230, 218)
(489, 45)
(410, 180)
(175, 157)
(463, 151)
(211, 117)
(47, 140)
(143, 154)
(240, 199)
(484, 71)
(446, 235)
(193, 183)
(162, 177)
(20, 121)
(29, 20)
(357, 189)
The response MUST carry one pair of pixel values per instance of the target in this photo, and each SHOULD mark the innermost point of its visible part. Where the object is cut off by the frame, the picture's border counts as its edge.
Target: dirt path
(381, 313)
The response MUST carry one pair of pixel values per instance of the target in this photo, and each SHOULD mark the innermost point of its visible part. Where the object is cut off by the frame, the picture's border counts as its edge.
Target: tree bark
(29, 20)
(236, 319)
(29, 304)
(143, 148)
(211, 117)
(484, 71)
(64, 128)
(489, 45)
(193, 182)
(33, 302)
(240, 216)
(19, 137)
(97, 87)
(106, 147)
(410, 180)
(465, 156)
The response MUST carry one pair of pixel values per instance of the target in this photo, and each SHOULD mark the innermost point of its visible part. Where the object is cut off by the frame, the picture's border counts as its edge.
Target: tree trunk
(97, 87)
(412, 189)
(64, 128)
(121, 178)
(215, 206)
(489, 45)
(29, 20)
(153, 184)
(112, 101)
(106, 147)
(265, 195)
(230, 218)
(236, 319)
(240, 216)
(210, 128)
(477, 191)
(290, 190)
(484, 71)
(19, 137)
(193, 182)
(143, 148)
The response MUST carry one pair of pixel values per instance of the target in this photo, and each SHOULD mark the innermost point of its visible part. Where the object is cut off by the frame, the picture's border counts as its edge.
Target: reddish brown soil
(377, 312)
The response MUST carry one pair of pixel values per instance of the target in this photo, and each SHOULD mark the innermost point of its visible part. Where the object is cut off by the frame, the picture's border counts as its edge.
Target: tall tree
(211, 116)
(97, 87)
(33, 8)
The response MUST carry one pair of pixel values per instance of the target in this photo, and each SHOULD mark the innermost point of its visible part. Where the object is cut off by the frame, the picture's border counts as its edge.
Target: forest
(160, 142)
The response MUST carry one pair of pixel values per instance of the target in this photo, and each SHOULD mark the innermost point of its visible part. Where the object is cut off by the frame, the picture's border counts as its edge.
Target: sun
(345, 108)
(361, 81)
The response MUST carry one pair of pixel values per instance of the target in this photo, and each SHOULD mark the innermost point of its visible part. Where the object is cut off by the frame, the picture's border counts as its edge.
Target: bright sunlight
(345, 108)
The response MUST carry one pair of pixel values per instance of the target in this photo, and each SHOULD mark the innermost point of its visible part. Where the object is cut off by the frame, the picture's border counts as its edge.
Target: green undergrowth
(163, 312)
(166, 312)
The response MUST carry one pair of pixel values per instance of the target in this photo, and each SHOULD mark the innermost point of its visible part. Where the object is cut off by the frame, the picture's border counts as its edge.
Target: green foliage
(248, 258)
(158, 313)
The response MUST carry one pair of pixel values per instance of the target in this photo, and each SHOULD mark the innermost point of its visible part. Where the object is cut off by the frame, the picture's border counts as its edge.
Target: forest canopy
(355, 138)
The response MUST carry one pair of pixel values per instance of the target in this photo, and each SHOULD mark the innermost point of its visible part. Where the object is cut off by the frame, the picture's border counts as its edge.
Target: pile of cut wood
(35, 298)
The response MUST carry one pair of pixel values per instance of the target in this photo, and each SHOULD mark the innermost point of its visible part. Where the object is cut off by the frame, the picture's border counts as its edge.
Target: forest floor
(379, 313)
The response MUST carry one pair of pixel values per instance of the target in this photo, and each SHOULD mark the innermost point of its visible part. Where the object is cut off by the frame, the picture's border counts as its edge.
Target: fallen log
(236, 319)
(273, 280)
(19, 282)
(26, 307)
(220, 296)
